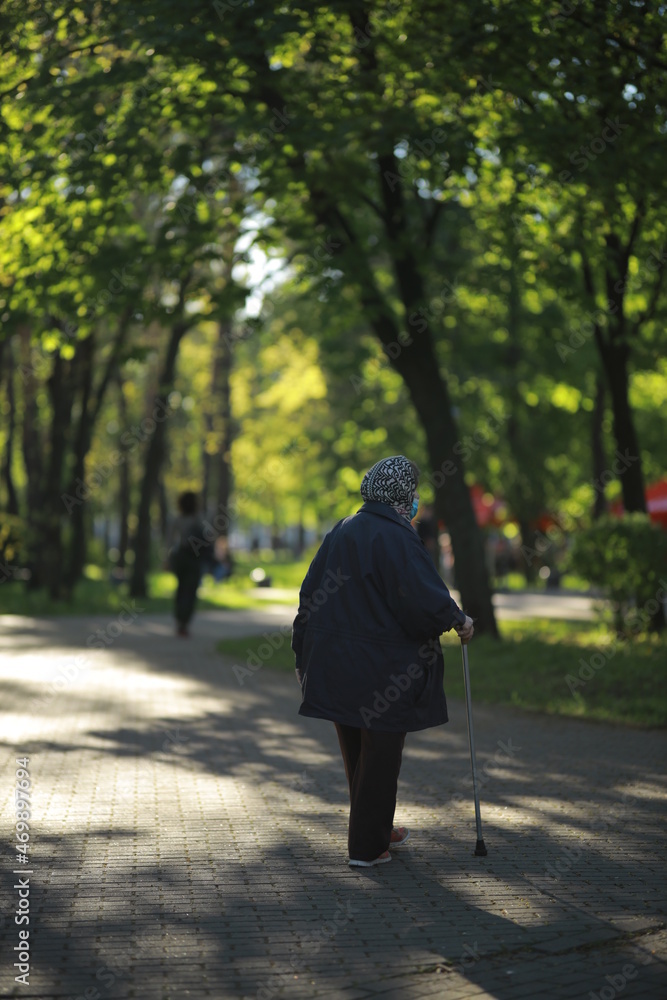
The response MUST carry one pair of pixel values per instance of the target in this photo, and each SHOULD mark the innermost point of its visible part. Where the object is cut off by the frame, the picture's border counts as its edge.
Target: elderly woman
(366, 641)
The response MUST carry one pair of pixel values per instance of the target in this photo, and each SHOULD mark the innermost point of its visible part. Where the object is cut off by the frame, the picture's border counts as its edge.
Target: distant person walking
(366, 641)
(188, 547)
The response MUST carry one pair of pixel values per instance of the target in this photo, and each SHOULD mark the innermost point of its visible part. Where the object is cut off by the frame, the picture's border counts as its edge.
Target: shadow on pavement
(202, 830)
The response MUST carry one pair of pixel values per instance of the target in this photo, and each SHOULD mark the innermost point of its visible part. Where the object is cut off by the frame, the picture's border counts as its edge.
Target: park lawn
(517, 581)
(97, 595)
(530, 668)
(283, 569)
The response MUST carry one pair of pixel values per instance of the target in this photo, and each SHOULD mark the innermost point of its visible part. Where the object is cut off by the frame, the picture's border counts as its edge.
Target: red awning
(488, 509)
(656, 503)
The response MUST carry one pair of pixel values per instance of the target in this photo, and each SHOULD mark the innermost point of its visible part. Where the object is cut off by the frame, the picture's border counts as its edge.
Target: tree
(410, 171)
(347, 162)
(589, 110)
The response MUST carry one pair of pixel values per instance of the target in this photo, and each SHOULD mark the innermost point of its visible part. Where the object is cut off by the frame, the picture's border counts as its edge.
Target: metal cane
(480, 849)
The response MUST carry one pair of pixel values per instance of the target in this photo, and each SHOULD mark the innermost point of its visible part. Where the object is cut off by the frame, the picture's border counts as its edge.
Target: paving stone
(188, 838)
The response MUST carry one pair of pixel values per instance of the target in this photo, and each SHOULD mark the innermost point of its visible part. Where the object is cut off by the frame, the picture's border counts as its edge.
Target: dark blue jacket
(366, 637)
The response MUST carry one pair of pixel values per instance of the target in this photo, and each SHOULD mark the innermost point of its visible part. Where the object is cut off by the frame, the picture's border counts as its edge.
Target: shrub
(12, 533)
(626, 557)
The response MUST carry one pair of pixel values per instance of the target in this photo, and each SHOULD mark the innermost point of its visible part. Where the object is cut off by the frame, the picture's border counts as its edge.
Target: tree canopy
(457, 218)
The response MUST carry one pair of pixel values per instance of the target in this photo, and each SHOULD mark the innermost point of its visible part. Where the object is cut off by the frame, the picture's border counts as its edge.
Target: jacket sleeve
(413, 589)
(308, 587)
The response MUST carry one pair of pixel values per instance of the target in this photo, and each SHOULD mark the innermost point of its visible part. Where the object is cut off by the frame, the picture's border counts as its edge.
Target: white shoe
(382, 860)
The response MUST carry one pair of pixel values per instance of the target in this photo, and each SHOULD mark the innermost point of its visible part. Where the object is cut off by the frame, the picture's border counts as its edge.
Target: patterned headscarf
(391, 481)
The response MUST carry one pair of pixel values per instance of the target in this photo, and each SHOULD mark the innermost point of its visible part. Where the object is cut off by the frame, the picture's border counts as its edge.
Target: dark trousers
(372, 764)
(186, 593)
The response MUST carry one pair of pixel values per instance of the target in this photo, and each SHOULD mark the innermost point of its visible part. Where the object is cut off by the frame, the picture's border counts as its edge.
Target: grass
(517, 581)
(283, 569)
(530, 667)
(97, 595)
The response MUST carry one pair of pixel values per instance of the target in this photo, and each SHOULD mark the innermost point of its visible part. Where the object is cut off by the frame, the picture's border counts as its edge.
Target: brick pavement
(189, 838)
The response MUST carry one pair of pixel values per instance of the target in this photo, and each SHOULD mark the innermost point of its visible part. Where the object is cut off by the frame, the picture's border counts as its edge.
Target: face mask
(414, 508)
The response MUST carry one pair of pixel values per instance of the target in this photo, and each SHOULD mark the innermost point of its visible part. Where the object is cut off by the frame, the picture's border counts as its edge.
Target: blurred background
(248, 249)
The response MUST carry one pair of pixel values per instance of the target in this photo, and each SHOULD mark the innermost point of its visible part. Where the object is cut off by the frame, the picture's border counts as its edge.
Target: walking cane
(480, 849)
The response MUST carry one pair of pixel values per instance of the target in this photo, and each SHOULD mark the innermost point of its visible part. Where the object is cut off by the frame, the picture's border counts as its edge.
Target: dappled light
(184, 820)
(332, 363)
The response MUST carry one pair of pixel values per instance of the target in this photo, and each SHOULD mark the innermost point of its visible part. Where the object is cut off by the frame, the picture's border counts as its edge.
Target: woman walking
(366, 641)
(185, 559)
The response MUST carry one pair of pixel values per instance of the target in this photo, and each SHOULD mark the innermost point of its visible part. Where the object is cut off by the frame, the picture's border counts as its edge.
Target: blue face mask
(415, 508)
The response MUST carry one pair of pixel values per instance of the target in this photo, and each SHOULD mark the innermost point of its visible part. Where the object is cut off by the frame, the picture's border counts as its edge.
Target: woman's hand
(466, 630)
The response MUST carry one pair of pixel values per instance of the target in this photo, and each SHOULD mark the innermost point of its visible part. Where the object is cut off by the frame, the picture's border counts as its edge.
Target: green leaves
(625, 557)
(490, 181)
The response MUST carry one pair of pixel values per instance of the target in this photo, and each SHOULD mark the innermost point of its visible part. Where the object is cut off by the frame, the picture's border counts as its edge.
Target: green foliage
(146, 149)
(626, 557)
(12, 544)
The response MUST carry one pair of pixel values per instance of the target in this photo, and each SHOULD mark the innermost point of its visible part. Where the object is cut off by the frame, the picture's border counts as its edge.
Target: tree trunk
(154, 458)
(164, 509)
(412, 356)
(44, 467)
(124, 500)
(615, 361)
(32, 446)
(218, 427)
(597, 448)
(45, 509)
(206, 465)
(48, 520)
(91, 405)
(124, 482)
(414, 359)
(533, 545)
(12, 496)
(224, 359)
(418, 367)
(430, 397)
(77, 543)
(614, 349)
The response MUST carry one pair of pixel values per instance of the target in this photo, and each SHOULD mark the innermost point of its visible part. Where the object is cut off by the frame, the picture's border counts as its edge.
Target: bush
(625, 557)
(12, 545)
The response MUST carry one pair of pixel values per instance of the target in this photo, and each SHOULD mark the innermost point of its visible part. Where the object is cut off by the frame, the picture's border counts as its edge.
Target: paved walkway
(188, 837)
(507, 604)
